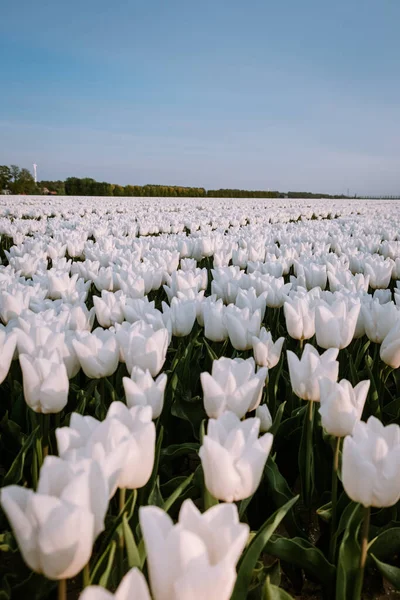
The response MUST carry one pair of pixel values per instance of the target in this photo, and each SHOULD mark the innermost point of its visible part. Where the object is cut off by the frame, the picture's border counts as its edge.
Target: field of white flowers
(199, 399)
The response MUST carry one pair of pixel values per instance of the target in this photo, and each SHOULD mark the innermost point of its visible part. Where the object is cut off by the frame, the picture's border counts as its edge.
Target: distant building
(5, 192)
(47, 192)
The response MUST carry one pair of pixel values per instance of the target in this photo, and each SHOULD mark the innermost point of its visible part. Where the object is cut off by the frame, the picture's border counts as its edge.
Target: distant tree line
(89, 187)
(20, 181)
(16, 180)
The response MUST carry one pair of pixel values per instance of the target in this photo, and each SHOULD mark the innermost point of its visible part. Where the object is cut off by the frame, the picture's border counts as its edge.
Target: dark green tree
(5, 177)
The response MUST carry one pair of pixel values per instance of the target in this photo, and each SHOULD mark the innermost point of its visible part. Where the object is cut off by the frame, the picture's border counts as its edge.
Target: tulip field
(200, 399)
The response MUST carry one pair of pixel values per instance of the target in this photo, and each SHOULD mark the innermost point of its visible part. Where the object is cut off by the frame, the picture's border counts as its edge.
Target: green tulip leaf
(349, 556)
(389, 572)
(106, 574)
(176, 450)
(273, 592)
(16, 471)
(155, 497)
(255, 548)
(7, 542)
(302, 553)
(281, 493)
(345, 517)
(177, 493)
(210, 351)
(130, 544)
(386, 544)
(325, 512)
(278, 418)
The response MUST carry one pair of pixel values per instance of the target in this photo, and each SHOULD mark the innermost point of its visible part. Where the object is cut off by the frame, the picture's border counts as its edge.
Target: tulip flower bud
(97, 352)
(55, 536)
(196, 558)
(306, 372)
(341, 405)
(242, 326)
(233, 457)
(371, 464)
(142, 346)
(262, 413)
(142, 390)
(300, 317)
(233, 385)
(45, 382)
(390, 347)
(109, 308)
(335, 325)
(132, 585)
(266, 352)
(8, 343)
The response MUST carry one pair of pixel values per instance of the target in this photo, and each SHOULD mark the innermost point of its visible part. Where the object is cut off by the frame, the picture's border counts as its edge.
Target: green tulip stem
(57, 420)
(45, 423)
(209, 499)
(309, 444)
(103, 391)
(35, 469)
(62, 589)
(335, 469)
(86, 575)
(301, 345)
(121, 542)
(363, 555)
(269, 398)
(122, 499)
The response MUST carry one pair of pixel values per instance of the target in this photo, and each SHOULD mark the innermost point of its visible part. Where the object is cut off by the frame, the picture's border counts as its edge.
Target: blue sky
(262, 94)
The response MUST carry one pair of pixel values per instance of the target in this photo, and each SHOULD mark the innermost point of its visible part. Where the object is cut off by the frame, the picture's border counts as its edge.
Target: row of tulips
(142, 355)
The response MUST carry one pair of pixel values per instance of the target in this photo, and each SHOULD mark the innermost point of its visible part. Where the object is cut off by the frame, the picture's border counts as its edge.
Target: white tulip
(98, 352)
(142, 390)
(300, 317)
(143, 347)
(132, 586)
(266, 352)
(341, 405)
(371, 464)
(335, 325)
(233, 456)
(45, 383)
(242, 326)
(233, 385)
(196, 558)
(262, 413)
(55, 537)
(305, 372)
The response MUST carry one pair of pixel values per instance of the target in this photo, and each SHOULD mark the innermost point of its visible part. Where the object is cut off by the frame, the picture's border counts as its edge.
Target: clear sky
(256, 94)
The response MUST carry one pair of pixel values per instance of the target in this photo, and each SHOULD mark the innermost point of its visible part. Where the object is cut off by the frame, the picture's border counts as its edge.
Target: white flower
(143, 347)
(233, 385)
(341, 405)
(98, 352)
(371, 464)
(266, 352)
(55, 537)
(195, 558)
(335, 325)
(242, 326)
(142, 390)
(233, 456)
(45, 383)
(132, 586)
(262, 413)
(306, 372)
